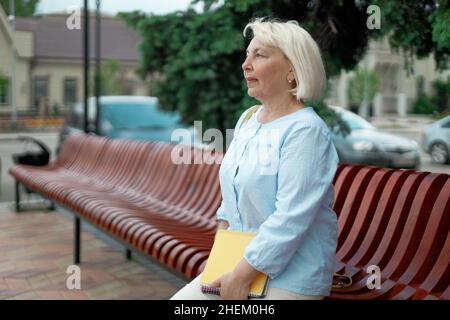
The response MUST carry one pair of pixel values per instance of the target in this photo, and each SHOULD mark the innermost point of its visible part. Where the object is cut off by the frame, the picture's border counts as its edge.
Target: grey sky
(114, 6)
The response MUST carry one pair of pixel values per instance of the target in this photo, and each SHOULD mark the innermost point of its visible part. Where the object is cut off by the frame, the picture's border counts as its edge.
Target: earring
(290, 77)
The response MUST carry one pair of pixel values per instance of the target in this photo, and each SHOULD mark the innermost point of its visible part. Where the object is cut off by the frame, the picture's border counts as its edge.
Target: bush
(441, 96)
(423, 105)
(56, 109)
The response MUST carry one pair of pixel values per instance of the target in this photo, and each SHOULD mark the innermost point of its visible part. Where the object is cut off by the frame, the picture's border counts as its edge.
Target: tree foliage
(423, 105)
(3, 83)
(418, 28)
(441, 98)
(199, 55)
(111, 78)
(362, 78)
(22, 8)
(438, 102)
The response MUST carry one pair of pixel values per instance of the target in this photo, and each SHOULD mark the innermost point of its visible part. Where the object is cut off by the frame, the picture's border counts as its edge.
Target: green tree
(111, 78)
(437, 102)
(441, 97)
(22, 8)
(417, 28)
(423, 105)
(356, 86)
(200, 54)
(3, 85)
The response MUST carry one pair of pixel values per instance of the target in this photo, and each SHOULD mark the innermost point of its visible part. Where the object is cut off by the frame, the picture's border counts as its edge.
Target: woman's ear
(290, 77)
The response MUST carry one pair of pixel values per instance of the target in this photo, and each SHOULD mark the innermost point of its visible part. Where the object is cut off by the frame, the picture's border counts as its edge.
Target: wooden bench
(397, 220)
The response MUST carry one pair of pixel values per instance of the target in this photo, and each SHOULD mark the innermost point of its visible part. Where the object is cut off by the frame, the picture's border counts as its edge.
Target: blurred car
(365, 144)
(126, 117)
(436, 140)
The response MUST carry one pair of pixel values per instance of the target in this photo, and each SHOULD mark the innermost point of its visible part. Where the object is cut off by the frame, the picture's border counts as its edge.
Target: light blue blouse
(276, 180)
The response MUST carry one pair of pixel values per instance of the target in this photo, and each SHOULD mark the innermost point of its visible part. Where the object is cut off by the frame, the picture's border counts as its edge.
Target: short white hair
(300, 50)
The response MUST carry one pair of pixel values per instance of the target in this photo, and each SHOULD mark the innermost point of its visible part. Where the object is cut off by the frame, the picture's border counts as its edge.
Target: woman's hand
(235, 285)
(222, 224)
(231, 288)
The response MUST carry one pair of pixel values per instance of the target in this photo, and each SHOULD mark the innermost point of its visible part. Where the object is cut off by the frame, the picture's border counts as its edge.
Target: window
(4, 90)
(355, 122)
(70, 91)
(40, 93)
(420, 85)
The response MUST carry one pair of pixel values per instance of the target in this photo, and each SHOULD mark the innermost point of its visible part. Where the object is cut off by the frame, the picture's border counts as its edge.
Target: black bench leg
(17, 196)
(52, 206)
(77, 243)
(128, 254)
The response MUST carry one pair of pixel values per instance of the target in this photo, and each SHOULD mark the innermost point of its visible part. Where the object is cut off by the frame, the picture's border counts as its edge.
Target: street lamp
(12, 86)
(86, 65)
(97, 67)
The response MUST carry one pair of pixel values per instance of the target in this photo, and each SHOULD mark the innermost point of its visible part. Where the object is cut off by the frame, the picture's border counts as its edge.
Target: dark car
(367, 145)
(126, 117)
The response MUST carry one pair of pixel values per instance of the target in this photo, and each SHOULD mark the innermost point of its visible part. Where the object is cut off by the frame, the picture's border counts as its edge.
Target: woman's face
(266, 71)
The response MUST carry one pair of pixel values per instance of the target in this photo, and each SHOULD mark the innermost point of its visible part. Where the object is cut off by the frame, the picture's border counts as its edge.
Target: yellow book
(228, 249)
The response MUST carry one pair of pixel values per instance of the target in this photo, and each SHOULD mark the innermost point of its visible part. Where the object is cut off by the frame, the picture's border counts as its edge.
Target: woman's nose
(246, 65)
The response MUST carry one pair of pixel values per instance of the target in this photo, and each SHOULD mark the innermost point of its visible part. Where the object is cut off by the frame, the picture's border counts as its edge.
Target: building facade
(397, 90)
(49, 61)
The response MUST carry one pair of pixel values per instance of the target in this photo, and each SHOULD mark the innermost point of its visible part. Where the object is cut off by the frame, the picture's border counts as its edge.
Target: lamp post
(12, 86)
(87, 129)
(97, 66)
(86, 65)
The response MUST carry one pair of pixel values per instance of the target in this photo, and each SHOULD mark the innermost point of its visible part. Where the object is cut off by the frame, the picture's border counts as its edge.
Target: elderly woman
(276, 177)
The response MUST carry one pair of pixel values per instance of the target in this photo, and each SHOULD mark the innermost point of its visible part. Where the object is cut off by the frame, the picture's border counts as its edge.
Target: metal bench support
(128, 254)
(77, 242)
(17, 196)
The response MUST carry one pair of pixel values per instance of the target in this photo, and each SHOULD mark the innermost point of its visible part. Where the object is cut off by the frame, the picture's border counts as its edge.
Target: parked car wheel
(436, 140)
(439, 153)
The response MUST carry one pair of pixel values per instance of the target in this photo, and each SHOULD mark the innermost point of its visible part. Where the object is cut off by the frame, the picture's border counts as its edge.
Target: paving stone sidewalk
(36, 249)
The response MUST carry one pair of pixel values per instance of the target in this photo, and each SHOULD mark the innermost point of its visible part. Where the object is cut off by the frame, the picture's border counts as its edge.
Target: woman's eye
(255, 55)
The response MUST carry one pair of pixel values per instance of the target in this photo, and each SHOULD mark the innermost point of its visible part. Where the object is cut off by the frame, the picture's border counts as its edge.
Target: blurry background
(392, 74)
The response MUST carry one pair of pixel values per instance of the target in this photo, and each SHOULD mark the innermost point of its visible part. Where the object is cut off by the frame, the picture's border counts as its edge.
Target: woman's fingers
(216, 283)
